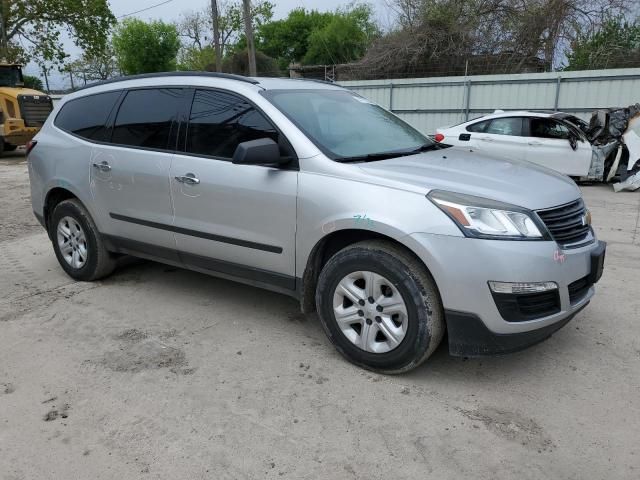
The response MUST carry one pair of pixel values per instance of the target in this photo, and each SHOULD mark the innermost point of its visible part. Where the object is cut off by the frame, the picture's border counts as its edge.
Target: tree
(287, 40)
(344, 38)
(98, 66)
(238, 63)
(197, 59)
(489, 36)
(196, 28)
(33, 82)
(142, 47)
(32, 29)
(615, 45)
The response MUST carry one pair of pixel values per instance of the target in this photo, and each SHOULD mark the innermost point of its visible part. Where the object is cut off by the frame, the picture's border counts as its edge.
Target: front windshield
(346, 126)
(10, 76)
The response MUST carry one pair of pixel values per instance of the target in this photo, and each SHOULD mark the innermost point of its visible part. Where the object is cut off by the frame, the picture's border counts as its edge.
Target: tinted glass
(478, 127)
(505, 126)
(146, 117)
(346, 125)
(547, 128)
(220, 121)
(87, 116)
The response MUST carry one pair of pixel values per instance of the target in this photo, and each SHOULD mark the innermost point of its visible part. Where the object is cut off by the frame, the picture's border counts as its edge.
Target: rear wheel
(9, 148)
(77, 242)
(380, 307)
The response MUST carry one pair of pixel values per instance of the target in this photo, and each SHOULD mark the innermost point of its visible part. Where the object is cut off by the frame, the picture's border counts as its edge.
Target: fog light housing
(522, 287)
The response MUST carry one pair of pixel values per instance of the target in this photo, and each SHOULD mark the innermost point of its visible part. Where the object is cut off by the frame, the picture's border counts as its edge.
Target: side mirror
(263, 151)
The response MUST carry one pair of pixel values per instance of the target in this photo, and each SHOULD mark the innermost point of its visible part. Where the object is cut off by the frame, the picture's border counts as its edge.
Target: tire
(9, 148)
(92, 260)
(396, 341)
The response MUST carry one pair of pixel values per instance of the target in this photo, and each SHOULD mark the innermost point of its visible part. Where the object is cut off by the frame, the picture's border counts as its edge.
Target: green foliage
(344, 38)
(238, 63)
(142, 47)
(615, 45)
(288, 40)
(34, 28)
(312, 37)
(197, 59)
(33, 82)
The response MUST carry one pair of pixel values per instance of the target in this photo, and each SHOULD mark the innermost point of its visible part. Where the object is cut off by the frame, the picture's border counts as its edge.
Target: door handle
(102, 166)
(189, 179)
(486, 139)
(534, 143)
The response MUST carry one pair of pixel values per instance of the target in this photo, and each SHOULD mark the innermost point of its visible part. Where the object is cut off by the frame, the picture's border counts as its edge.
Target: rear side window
(478, 127)
(147, 118)
(219, 121)
(87, 116)
(505, 126)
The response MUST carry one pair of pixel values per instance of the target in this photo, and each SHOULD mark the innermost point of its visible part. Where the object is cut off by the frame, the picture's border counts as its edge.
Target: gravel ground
(158, 372)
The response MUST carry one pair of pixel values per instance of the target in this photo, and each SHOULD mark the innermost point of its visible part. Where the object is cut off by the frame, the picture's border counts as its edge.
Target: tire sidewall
(70, 209)
(418, 337)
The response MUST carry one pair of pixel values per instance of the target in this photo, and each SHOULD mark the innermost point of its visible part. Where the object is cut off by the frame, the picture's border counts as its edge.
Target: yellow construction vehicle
(22, 110)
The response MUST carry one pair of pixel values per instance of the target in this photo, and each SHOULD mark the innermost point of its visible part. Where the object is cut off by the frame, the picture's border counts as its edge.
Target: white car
(554, 140)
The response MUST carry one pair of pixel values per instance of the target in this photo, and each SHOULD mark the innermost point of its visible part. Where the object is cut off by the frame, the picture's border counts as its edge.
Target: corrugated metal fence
(429, 103)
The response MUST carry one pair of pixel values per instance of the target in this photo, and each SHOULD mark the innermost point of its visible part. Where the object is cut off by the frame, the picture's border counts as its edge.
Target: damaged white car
(605, 149)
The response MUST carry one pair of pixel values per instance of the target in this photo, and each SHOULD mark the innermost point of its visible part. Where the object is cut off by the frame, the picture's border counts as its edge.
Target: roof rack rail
(229, 76)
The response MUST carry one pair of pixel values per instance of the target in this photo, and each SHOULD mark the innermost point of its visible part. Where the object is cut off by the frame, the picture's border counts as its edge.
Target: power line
(145, 9)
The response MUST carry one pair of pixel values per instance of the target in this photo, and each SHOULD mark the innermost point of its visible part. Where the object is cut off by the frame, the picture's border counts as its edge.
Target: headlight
(483, 218)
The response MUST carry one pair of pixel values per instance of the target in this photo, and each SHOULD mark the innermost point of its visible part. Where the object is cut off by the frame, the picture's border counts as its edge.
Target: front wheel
(380, 307)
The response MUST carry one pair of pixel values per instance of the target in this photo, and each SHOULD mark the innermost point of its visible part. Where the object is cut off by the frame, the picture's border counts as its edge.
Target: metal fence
(429, 103)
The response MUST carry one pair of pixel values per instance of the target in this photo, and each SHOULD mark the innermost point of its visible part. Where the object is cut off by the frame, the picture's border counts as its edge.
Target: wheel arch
(53, 197)
(329, 245)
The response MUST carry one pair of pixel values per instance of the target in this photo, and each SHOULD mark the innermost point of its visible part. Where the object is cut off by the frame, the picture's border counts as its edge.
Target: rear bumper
(469, 336)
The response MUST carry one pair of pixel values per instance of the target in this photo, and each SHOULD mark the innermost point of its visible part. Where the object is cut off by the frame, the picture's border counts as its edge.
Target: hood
(462, 170)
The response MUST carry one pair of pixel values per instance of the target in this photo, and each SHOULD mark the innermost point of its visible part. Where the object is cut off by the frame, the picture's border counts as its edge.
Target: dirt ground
(163, 373)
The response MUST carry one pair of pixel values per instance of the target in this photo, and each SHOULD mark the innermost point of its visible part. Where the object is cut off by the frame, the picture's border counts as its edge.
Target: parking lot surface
(158, 372)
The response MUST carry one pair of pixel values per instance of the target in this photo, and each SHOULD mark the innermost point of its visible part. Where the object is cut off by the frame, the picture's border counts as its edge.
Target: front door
(549, 146)
(234, 219)
(130, 174)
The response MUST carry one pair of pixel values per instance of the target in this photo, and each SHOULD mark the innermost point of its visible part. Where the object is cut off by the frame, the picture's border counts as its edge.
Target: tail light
(439, 137)
(30, 145)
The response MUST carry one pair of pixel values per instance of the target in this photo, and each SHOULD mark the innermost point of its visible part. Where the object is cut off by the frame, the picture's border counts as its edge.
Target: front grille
(523, 307)
(578, 289)
(567, 223)
(34, 109)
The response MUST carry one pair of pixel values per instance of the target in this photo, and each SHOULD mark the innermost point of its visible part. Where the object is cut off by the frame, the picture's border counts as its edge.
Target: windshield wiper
(371, 157)
(427, 147)
(394, 154)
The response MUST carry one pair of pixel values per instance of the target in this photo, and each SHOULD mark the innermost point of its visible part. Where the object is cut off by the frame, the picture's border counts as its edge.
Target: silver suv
(310, 190)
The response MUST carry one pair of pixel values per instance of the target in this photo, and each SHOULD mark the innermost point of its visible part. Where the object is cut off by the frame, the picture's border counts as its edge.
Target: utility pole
(248, 31)
(216, 34)
(4, 41)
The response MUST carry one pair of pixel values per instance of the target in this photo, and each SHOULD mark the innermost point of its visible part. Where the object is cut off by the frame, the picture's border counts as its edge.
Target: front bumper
(462, 267)
(470, 337)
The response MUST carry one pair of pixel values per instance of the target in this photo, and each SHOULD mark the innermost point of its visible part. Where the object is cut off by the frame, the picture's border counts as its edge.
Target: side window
(146, 118)
(478, 127)
(219, 121)
(548, 128)
(87, 116)
(506, 126)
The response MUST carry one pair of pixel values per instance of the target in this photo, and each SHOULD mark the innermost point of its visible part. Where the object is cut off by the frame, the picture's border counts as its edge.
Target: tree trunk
(248, 29)
(216, 34)
(4, 41)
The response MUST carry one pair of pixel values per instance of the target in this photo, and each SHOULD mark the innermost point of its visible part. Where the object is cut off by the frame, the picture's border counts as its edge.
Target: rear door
(235, 219)
(549, 145)
(130, 174)
(503, 137)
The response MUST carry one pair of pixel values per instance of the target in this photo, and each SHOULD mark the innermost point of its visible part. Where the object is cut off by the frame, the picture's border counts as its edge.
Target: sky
(171, 11)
